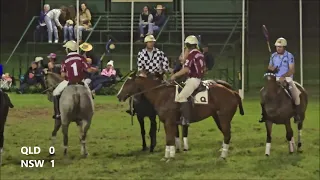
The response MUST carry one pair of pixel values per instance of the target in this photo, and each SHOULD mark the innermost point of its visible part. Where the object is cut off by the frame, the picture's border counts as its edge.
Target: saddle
(76, 83)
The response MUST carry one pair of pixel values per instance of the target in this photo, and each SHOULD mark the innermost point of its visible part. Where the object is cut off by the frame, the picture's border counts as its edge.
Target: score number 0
(52, 152)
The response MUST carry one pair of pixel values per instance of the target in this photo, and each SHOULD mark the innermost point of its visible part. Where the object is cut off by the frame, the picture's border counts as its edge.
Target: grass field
(115, 146)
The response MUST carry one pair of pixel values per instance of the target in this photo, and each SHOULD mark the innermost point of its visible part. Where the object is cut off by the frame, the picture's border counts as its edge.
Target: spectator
(6, 81)
(52, 57)
(207, 56)
(158, 20)
(68, 27)
(33, 76)
(41, 27)
(39, 62)
(145, 19)
(52, 67)
(108, 75)
(52, 21)
(88, 53)
(84, 22)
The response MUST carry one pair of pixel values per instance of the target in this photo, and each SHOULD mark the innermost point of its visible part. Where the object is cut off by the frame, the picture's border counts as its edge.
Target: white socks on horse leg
(178, 143)
(268, 147)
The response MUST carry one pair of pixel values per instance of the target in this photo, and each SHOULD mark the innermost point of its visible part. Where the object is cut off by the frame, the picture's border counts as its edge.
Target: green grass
(115, 146)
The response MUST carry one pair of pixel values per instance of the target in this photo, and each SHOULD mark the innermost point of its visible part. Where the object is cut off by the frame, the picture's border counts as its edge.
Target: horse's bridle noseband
(269, 74)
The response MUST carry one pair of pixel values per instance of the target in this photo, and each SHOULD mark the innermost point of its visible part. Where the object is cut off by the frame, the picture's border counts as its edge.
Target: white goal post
(132, 16)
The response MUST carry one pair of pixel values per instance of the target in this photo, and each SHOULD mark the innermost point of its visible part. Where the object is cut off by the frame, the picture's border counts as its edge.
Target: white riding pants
(295, 92)
(58, 90)
(191, 85)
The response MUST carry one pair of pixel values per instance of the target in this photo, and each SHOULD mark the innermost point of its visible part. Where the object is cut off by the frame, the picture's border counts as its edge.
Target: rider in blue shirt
(284, 62)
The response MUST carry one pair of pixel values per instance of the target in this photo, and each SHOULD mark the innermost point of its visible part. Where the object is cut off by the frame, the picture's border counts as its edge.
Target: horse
(5, 104)
(76, 105)
(222, 105)
(185, 129)
(278, 108)
(143, 108)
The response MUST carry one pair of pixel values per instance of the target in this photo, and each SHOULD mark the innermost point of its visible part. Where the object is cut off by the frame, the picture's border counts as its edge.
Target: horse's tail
(76, 98)
(240, 103)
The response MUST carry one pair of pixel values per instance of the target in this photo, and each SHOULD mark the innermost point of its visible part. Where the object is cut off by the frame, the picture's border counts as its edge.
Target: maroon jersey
(196, 64)
(74, 66)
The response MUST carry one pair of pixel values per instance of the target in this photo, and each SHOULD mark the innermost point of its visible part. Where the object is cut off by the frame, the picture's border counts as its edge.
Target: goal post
(132, 18)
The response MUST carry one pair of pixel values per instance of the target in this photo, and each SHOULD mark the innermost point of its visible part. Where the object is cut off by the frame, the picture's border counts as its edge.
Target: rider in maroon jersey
(73, 70)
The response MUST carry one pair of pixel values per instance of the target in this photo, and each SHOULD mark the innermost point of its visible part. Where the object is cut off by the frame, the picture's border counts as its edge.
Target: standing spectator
(68, 27)
(158, 20)
(41, 27)
(33, 76)
(145, 19)
(52, 21)
(207, 56)
(84, 22)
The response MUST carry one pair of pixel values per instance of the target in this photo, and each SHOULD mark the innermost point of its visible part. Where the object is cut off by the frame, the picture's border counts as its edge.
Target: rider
(194, 66)
(284, 62)
(151, 60)
(73, 70)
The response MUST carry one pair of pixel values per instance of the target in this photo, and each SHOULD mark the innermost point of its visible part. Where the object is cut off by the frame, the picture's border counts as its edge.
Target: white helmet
(149, 38)
(281, 42)
(72, 45)
(191, 40)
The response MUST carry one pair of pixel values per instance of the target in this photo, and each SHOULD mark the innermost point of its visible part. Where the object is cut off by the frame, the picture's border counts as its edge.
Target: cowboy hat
(72, 45)
(281, 42)
(38, 59)
(69, 22)
(159, 7)
(149, 38)
(86, 47)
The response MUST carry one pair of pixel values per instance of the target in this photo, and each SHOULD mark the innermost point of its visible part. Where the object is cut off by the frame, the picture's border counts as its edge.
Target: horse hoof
(299, 144)
(169, 160)
(177, 150)
(144, 148)
(185, 150)
(267, 155)
(163, 159)
(51, 155)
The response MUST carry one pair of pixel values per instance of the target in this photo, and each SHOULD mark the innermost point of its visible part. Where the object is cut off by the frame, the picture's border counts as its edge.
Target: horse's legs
(289, 136)
(65, 128)
(177, 139)
(269, 130)
(57, 125)
(143, 132)
(153, 132)
(300, 126)
(84, 126)
(170, 151)
(225, 123)
(185, 130)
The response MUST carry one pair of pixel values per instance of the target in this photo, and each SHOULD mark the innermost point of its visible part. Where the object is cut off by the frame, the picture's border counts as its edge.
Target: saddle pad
(199, 98)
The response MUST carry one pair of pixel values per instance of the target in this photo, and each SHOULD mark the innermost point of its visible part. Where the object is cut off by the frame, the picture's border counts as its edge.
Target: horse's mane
(53, 78)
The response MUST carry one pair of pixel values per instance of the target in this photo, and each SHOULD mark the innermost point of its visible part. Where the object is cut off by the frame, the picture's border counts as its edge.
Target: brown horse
(222, 105)
(278, 108)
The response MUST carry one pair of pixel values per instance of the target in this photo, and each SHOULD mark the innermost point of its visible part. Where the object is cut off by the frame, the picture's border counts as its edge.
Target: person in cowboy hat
(284, 62)
(158, 20)
(151, 60)
(90, 57)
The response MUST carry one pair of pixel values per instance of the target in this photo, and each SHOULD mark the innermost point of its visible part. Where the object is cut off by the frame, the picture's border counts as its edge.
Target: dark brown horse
(222, 105)
(278, 108)
(5, 104)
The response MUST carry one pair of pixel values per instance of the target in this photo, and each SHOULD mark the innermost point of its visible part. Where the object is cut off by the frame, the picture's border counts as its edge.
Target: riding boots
(56, 106)
(186, 113)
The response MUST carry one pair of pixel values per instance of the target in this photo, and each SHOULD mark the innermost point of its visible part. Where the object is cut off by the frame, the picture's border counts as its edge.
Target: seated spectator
(54, 68)
(33, 76)
(68, 27)
(108, 75)
(41, 27)
(84, 22)
(158, 20)
(207, 57)
(39, 61)
(52, 57)
(145, 19)
(52, 21)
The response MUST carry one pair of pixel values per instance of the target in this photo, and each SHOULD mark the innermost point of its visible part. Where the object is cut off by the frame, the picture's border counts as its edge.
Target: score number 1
(52, 152)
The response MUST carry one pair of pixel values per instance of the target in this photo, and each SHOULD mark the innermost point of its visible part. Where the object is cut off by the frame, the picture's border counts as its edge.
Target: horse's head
(135, 84)
(52, 79)
(270, 75)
